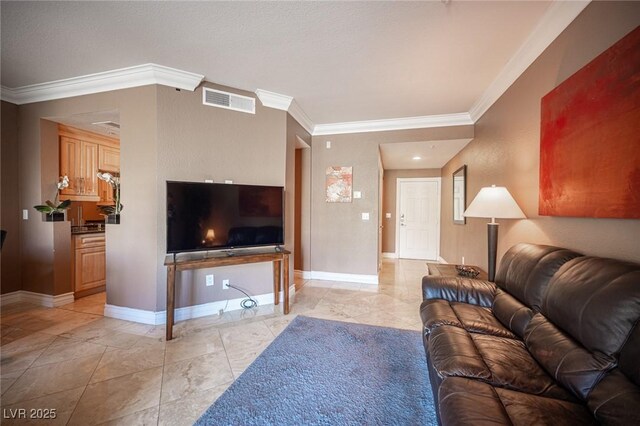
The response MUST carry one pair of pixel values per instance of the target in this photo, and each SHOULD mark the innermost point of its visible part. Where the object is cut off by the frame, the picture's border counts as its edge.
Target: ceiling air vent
(228, 100)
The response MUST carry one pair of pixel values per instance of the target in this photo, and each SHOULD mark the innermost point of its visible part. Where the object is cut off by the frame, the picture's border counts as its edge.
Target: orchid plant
(114, 181)
(55, 207)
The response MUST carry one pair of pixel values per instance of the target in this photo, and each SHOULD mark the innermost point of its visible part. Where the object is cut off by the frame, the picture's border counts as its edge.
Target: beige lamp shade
(494, 202)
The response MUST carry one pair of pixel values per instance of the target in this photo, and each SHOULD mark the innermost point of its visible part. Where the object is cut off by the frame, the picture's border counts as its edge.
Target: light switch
(387, 215)
(25, 214)
(357, 194)
(365, 216)
(328, 144)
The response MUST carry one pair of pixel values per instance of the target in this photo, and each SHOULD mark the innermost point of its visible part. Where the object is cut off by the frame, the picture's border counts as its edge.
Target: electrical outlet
(225, 284)
(365, 216)
(209, 280)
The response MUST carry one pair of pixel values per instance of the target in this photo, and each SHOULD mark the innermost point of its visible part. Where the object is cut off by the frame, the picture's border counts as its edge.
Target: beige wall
(505, 151)
(198, 142)
(341, 241)
(131, 246)
(165, 135)
(10, 213)
(390, 182)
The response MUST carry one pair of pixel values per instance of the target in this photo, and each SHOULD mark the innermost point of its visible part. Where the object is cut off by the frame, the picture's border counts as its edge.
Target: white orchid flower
(64, 182)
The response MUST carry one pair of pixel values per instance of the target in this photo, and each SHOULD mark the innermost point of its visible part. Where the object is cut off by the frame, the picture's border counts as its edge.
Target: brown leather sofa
(556, 340)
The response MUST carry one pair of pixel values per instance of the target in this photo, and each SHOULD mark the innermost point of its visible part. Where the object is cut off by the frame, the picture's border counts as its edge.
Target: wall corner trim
(40, 299)
(557, 17)
(123, 78)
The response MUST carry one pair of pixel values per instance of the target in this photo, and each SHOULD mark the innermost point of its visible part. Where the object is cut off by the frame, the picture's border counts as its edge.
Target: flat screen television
(215, 216)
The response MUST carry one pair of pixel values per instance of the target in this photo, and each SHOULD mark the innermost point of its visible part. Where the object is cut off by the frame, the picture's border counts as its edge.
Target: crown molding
(286, 103)
(123, 78)
(556, 19)
(442, 120)
(274, 100)
(301, 117)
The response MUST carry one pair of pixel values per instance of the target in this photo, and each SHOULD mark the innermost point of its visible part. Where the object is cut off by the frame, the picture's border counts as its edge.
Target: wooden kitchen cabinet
(70, 165)
(105, 191)
(109, 159)
(82, 155)
(79, 161)
(90, 272)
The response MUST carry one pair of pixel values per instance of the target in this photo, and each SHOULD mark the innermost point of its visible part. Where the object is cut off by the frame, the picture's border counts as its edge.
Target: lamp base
(492, 234)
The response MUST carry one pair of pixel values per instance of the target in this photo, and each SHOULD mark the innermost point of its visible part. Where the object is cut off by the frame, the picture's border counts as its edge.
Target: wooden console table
(449, 270)
(280, 261)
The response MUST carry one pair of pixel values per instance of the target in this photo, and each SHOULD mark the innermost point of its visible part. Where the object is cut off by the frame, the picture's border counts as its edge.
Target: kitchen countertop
(78, 230)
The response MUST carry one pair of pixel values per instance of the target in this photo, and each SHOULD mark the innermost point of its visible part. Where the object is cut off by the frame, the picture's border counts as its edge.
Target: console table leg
(276, 282)
(286, 283)
(171, 294)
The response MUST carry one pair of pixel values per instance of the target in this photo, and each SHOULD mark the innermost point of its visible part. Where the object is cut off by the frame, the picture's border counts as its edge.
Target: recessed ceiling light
(416, 157)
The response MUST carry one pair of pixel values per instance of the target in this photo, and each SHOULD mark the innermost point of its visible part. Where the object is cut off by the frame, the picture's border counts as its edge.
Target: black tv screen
(213, 216)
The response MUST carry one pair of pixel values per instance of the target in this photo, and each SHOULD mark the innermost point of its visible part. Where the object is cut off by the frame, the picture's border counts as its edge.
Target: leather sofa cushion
(497, 360)
(473, 318)
(615, 400)
(563, 358)
(458, 289)
(526, 270)
(510, 312)
(453, 353)
(512, 366)
(588, 290)
(526, 409)
(471, 402)
(437, 312)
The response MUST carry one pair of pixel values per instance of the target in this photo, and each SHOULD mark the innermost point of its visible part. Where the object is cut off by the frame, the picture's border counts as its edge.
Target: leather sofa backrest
(596, 301)
(616, 398)
(526, 270)
(589, 310)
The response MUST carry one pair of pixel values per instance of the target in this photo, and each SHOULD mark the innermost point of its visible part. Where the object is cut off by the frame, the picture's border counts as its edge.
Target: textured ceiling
(433, 154)
(341, 61)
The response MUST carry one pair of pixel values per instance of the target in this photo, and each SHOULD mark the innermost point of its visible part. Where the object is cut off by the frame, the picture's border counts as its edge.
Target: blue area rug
(320, 372)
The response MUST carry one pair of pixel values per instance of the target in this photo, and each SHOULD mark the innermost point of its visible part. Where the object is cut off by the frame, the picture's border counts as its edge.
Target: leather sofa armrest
(458, 289)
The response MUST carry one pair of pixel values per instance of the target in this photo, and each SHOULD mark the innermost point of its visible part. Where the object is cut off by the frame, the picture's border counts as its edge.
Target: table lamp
(494, 202)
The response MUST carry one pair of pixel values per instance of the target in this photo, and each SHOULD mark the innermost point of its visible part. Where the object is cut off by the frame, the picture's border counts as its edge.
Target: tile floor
(97, 370)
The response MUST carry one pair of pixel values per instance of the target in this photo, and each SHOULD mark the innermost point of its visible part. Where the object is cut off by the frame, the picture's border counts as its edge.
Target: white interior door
(418, 218)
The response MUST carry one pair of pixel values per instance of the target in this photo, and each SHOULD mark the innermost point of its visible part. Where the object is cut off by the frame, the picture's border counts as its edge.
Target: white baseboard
(337, 276)
(188, 312)
(131, 314)
(8, 298)
(47, 300)
(390, 255)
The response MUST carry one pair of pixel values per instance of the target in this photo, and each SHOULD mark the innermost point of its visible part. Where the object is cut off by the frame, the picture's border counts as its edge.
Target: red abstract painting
(590, 138)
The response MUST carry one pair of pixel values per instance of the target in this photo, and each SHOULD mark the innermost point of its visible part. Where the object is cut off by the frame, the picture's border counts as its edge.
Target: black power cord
(247, 303)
